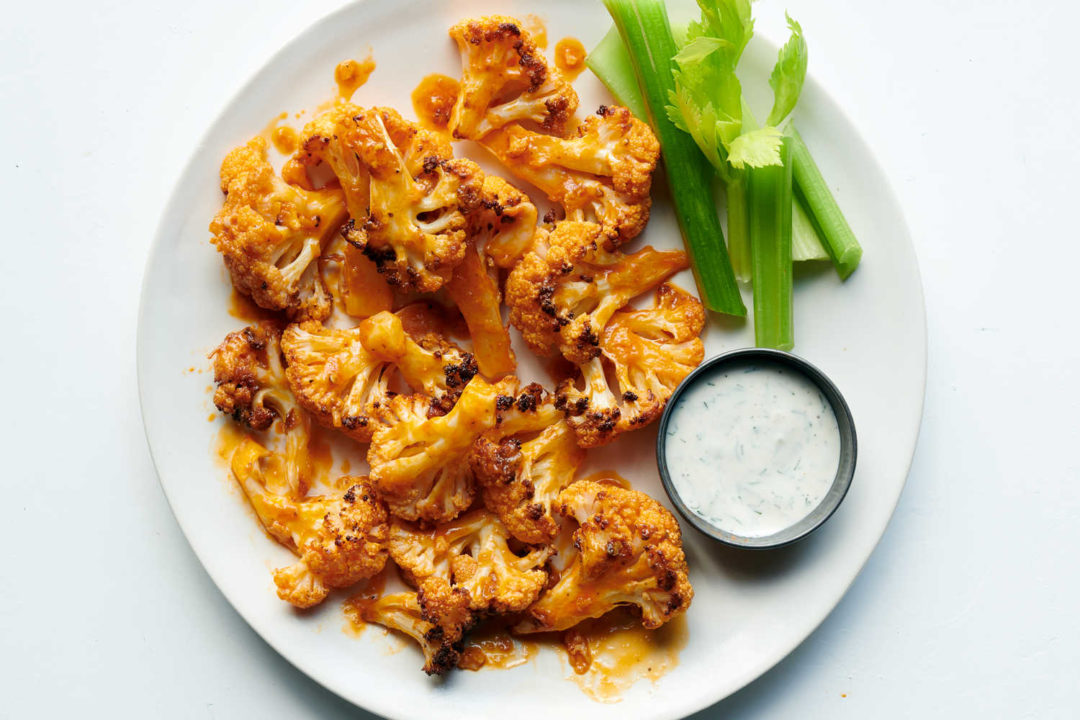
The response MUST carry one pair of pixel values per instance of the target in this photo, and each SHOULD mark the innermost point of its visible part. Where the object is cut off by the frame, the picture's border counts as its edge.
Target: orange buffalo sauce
(285, 139)
(609, 477)
(244, 308)
(612, 653)
(350, 75)
(607, 655)
(433, 101)
(229, 437)
(422, 317)
(493, 647)
(570, 57)
(357, 605)
(365, 291)
(535, 27)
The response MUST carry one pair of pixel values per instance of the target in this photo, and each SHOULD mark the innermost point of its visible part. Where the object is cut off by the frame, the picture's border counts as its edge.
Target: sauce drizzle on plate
(570, 57)
(351, 74)
(433, 101)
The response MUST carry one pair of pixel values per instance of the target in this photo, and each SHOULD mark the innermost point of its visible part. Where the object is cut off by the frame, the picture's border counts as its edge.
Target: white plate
(750, 610)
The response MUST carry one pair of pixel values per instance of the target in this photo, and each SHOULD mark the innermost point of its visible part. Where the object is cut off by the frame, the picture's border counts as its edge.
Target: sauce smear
(350, 75)
(492, 646)
(534, 25)
(609, 477)
(570, 57)
(285, 139)
(433, 101)
(610, 654)
(244, 308)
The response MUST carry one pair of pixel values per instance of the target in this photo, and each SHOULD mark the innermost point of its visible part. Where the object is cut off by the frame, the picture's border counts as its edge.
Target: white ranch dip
(752, 449)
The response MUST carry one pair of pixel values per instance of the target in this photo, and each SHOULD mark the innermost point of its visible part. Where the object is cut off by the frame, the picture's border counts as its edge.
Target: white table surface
(968, 608)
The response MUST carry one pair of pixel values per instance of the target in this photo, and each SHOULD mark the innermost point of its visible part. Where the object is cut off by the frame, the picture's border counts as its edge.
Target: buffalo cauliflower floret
(627, 551)
(429, 364)
(474, 289)
(648, 352)
(520, 480)
(250, 376)
(470, 555)
(418, 197)
(419, 462)
(342, 375)
(602, 174)
(504, 223)
(332, 138)
(335, 377)
(339, 540)
(564, 298)
(500, 230)
(252, 389)
(271, 233)
(441, 642)
(526, 409)
(506, 79)
(419, 457)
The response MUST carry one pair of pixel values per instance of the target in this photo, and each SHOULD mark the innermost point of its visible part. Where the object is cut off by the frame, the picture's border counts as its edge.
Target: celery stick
(646, 34)
(610, 62)
(737, 227)
(769, 198)
(810, 187)
(805, 239)
(805, 243)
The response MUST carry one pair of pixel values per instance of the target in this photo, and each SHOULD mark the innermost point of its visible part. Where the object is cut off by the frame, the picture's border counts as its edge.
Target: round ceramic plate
(750, 609)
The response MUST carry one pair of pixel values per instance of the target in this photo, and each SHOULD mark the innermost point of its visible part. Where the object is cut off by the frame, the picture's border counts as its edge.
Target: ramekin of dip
(756, 448)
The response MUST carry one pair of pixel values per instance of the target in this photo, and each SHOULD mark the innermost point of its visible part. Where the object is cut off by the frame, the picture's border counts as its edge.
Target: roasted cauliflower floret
(250, 377)
(627, 551)
(419, 457)
(649, 352)
(335, 377)
(339, 540)
(270, 233)
(500, 230)
(332, 138)
(430, 364)
(252, 389)
(564, 298)
(528, 409)
(475, 290)
(469, 555)
(504, 223)
(441, 644)
(602, 174)
(418, 197)
(506, 79)
(520, 480)
(420, 463)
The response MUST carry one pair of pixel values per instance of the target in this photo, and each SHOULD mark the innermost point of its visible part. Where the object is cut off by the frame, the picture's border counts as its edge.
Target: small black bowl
(844, 471)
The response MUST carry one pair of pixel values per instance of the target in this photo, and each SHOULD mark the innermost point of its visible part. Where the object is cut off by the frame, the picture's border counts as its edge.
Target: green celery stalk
(610, 62)
(805, 242)
(738, 229)
(646, 35)
(769, 198)
(810, 187)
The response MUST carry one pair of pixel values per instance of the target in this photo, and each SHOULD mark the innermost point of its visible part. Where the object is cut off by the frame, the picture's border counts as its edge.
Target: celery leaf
(757, 148)
(788, 75)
